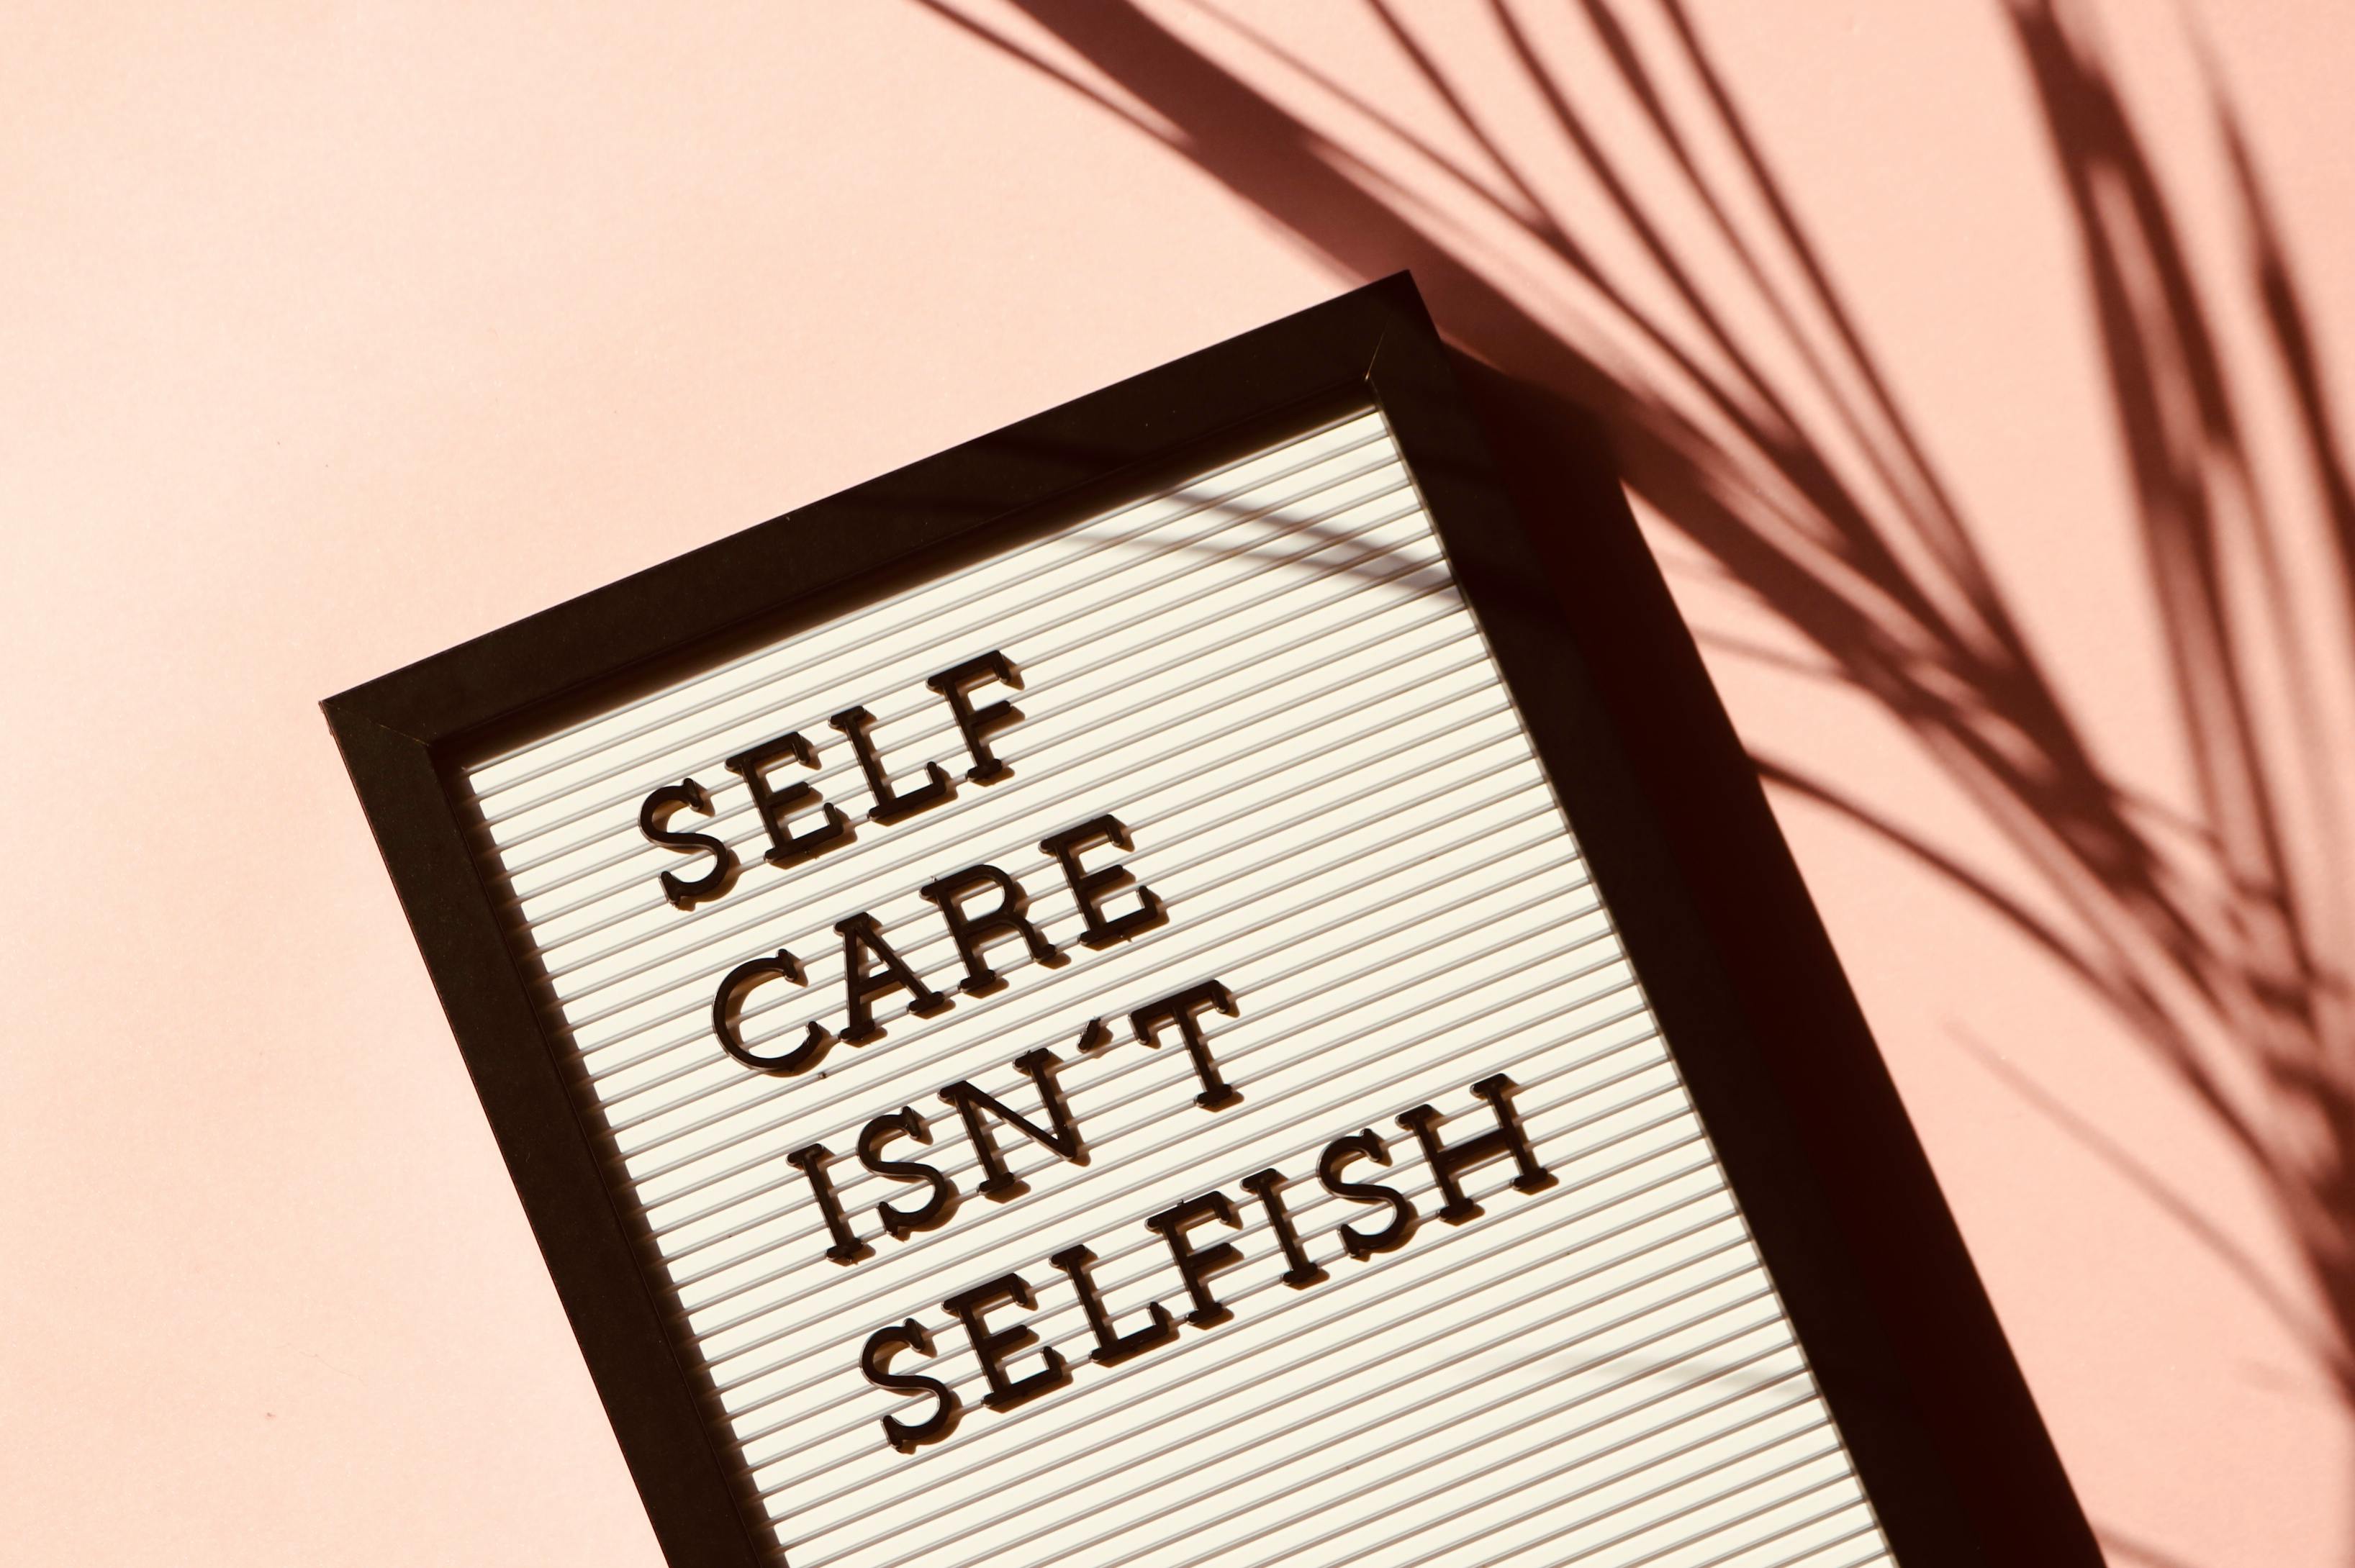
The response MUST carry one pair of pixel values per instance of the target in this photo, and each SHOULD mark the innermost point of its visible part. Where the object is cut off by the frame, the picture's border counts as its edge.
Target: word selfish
(996, 1346)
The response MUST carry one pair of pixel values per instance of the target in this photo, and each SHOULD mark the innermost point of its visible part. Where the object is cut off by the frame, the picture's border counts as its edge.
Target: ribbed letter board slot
(1055, 1008)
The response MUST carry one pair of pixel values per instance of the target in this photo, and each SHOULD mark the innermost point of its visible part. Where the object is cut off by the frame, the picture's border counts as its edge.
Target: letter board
(1098, 1039)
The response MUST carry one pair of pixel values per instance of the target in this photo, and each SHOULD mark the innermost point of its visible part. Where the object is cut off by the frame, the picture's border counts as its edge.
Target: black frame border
(1830, 1173)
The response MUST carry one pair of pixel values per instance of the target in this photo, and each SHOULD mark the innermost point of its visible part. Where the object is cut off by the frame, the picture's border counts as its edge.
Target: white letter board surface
(1095, 1039)
(1267, 677)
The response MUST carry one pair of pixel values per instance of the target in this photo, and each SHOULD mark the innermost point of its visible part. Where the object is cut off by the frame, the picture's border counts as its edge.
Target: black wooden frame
(1828, 1172)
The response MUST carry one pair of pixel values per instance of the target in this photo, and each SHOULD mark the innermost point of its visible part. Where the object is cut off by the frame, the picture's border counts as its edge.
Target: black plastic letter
(654, 821)
(875, 1362)
(1367, 1145)
(1267, 1186)
(940, 1206)
(1113, 1347)
(978, 724)
(889, 806)
(1092, 888)
(973, 932)
(1199, 1266)
(863, 939)
(993, 1348)
(1061, 1133)
(727, 1010)
(811, 1162)
(1185, 1009)
(1448, 1162)
(777, 806)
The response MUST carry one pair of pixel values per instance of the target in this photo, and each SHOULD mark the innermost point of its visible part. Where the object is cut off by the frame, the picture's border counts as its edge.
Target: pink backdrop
(335, 335)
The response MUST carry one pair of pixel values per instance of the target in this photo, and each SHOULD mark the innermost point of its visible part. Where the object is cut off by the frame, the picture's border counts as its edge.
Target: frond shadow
(1744, 403)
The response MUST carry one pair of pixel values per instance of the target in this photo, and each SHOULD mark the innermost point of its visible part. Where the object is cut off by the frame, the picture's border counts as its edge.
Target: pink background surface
(334, 335)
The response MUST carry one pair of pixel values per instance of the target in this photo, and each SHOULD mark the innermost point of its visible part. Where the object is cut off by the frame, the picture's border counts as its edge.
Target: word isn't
(995, 1346)
(983, 1113)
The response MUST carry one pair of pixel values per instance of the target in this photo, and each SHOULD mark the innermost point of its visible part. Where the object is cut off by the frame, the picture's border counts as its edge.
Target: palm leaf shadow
(2218, 942)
